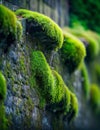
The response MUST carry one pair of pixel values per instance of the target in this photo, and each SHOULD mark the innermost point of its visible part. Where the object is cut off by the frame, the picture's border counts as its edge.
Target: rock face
(22, 108)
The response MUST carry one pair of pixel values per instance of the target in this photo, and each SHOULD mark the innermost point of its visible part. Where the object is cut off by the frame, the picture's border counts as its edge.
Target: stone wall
(56, 9)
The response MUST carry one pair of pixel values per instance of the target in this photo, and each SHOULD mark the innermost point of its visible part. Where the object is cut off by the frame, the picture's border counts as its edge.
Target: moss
(2, 87)
(97, 72)
(95, 96)
(19, 30)
(85, 80)
(73, 111)
(52, 90)
(3, 120)
(90, 39)
(61, 94)
(42, 75)
(42, 28)
(7, 25)
(72, 52)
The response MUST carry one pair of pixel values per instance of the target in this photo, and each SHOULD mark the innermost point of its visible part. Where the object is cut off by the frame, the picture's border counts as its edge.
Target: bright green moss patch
(2, 87)
(52, 90)
(72, 52)
(85, 80)
(90, 39)
(43, 29)
(19, 30)
(42, 75)
(95, 96)
(61, 94)
(7, 25)
(73, 111)
(3, 120)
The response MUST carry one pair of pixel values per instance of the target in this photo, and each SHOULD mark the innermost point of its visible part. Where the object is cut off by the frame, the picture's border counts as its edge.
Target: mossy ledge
(72, 52)
(54, 94)
(41, 27)
(8, 26)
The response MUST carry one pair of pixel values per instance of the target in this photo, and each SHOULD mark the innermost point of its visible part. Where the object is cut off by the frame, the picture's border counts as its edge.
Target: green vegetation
(7, 25)
(90, 39)
(43, 29)
(3, 120)
(50, 85)
(73, 111)
(2, 87)
(85, 80)
(19, 30)
(95, 95)
(87, 12)
(72, 52)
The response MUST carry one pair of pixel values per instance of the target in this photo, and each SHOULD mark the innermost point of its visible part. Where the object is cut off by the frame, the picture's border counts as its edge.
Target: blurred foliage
(87, 12)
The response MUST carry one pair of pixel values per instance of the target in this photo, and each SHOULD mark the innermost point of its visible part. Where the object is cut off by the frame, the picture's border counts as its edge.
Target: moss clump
(3, 120)
(2, 87)
(72, 52)
(85, 80)
(19, 30)
(42, 75)
(43, 29)
(7, 25)
(73, 111)
(50, 85)
(95, 96)
(90, 39)
(61, 94)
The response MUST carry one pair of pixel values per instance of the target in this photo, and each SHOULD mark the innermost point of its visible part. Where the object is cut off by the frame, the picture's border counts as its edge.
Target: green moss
(85, 80)
(2, 87)
(7, 25)
(73, 111)
(50, 85)
(3, 120)
(97, 72)
(72, 52)
(19, 30)
(95, 96)
(90, 39)
(42, 74)
(42, 28)
(61, 94)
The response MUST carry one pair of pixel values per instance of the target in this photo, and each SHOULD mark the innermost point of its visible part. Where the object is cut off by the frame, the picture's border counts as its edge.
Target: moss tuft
(50, 85)
(90, 39)
(73, 111)
(19, 30)
(85, 80)
(43, 29)
(42, 75)
(7, 25)
(2, 87)
(72, 52)
(95, 96)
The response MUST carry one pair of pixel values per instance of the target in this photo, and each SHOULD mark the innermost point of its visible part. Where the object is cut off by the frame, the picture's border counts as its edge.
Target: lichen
(72, 52)
(43, 29)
